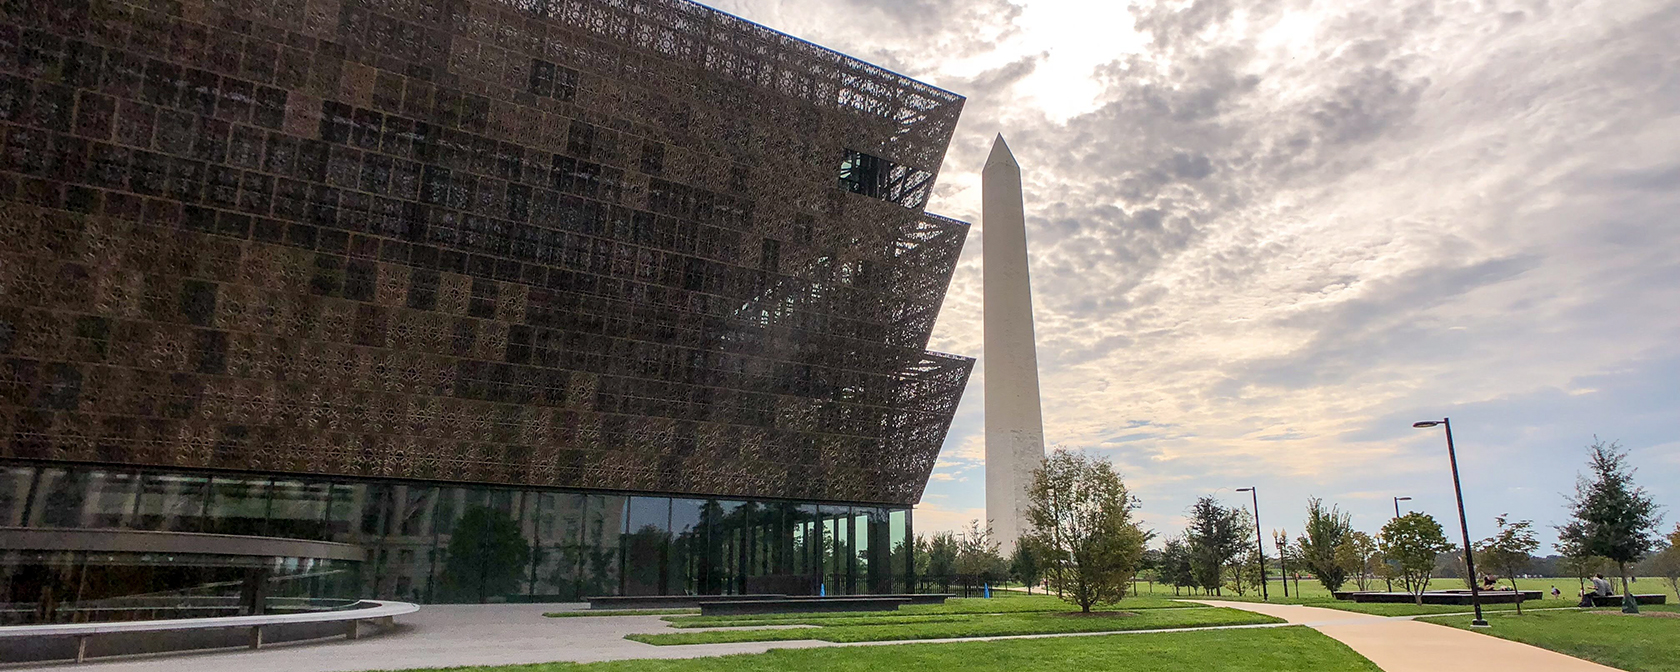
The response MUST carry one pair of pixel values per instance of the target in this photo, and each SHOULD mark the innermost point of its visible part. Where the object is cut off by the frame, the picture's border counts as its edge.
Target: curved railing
(353, 618)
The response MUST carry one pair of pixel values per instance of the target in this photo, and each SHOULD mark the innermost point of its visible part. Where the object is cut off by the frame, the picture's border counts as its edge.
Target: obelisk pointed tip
(1001, 155)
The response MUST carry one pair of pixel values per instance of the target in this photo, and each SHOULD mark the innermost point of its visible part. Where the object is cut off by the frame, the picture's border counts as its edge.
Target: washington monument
(1014, 426)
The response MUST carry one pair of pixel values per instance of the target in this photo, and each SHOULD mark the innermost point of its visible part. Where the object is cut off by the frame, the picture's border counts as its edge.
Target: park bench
(1616, 600)
(669, 601)
(919, 598)
(801, 605)
(30, 643)
(1457, 597)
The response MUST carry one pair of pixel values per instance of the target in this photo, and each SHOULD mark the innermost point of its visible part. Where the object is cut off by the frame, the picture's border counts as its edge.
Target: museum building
(459, 300)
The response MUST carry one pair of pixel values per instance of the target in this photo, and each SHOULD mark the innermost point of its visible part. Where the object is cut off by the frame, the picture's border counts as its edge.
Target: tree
(1216, 537)
(1026, 564)
(1326, 529)
(1412, 541)
(1175, 564)
(486, 555)
(1243, 573)
(977, 560)
(1359, 557)
(1507, 552)
(1667, 564)
(1609, 515)
(942, 559)
(1081, 515)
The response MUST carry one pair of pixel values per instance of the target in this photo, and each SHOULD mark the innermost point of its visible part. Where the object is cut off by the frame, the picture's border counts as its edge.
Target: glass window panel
(837, 555)
(344, 510)
(108, 498)
(58, 498)
(485, 556)
(15, 484)
(646, 543)
(603, 529)
(237, 506)
(298, 509)
(173, 502)
(561, 554)
(688, 571)
(728, 551)
(879, 551)
(903, 556)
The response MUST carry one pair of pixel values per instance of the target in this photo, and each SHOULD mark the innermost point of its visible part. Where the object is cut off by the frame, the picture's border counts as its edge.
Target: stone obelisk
(1014, 425)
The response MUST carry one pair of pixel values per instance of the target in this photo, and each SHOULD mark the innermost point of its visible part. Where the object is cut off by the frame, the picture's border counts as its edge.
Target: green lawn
(892, 627)
(1287, 649)
(1002, 604)
(1642, 643)
(1317, 596)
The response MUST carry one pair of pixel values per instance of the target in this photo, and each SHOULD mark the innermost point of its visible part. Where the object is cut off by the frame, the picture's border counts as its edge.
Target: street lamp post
(1258, 544)
(1463, 524)
(1397, 500)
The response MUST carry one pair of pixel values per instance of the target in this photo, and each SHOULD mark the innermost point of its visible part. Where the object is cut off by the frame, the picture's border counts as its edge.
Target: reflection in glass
(646, 543)
(15, 485)
(427, 543)
(172, 502)
(602, 531)
(238, 506)
(688, 567)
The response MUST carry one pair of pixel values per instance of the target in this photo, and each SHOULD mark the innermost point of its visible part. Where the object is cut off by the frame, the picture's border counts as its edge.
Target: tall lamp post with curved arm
(1258, 544)
(1463, 525)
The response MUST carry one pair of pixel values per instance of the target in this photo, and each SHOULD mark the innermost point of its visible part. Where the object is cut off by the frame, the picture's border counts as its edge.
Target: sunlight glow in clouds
(1267, 236)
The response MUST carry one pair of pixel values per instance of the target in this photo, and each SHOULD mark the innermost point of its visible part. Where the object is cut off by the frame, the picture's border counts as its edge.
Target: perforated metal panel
(598, 244)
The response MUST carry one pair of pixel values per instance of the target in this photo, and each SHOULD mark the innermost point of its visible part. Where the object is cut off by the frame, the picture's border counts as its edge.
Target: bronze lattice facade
(627, 245)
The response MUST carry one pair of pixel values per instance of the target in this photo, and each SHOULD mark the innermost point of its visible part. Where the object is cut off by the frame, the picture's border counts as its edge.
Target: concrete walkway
(443, 636)
(1400, 644)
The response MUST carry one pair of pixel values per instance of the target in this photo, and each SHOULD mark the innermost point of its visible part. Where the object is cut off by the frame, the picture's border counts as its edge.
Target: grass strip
(987, 625)
(1648, 642)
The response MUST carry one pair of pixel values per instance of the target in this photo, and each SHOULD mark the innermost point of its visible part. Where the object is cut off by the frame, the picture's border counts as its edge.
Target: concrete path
(443, 636)
(1400, 644)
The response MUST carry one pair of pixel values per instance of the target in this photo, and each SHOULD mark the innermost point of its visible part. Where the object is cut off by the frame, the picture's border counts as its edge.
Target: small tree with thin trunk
(1026, 563)
(978, 562)
(942, 559)
(1609, 515)
(1509, 550)
(1580, 564)
(1326, 530)
(1359, 557)
(1412, 542)
(1667, 563)
(1081, 517)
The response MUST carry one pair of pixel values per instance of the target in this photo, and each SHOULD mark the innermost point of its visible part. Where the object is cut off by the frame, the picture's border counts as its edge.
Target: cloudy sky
(1268, 235)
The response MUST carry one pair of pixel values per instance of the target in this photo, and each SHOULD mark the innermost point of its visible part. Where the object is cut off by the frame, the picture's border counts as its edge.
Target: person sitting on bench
(1601, 588)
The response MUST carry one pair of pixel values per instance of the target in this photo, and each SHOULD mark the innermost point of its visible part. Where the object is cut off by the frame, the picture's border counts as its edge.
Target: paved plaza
(507, 634)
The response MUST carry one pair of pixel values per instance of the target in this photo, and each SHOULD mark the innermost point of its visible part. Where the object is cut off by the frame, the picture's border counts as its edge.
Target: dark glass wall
(435, 543)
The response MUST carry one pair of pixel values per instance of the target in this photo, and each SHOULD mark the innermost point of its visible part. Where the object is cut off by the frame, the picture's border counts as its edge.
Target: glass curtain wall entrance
(444, 543)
